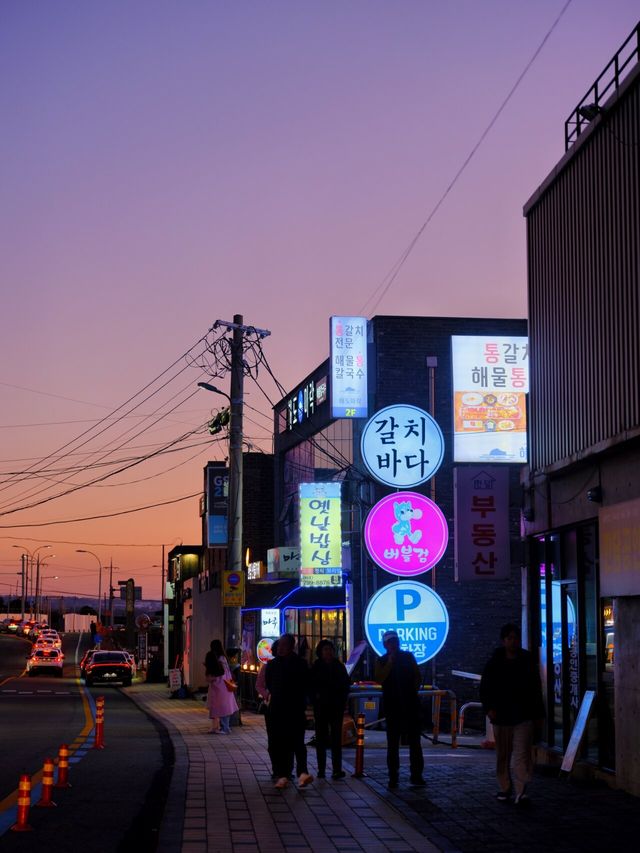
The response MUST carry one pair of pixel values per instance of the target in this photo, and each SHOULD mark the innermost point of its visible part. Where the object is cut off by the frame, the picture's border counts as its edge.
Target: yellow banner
(320, 534)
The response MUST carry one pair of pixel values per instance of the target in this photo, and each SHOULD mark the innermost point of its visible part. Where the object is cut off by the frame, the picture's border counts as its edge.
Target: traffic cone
(24, 803)
(45, 800)
(99, 738)
(63, 767)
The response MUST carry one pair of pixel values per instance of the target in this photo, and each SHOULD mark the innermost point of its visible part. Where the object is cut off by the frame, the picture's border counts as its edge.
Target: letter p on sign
(406, 599)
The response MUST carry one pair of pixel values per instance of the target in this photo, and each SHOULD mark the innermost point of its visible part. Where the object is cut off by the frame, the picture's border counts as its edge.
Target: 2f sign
(415, 612)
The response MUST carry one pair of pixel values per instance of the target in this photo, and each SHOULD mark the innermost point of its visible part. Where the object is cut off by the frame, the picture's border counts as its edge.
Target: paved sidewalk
(222, 798)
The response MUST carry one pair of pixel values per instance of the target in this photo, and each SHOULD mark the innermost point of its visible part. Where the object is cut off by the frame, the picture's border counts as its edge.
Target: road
(117, 794)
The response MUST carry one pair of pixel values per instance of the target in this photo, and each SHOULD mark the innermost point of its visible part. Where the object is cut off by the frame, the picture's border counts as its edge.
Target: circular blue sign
(415, 611)
(402, 446)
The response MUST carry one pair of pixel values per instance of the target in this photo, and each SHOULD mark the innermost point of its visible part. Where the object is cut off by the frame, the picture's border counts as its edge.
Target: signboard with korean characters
(269, 622)
(320, 534)
(482, 548)
(415, 612)
(402, 446)
(283, 561)
(406, 534)
(490, 384)
(233, 588)
(349, 367)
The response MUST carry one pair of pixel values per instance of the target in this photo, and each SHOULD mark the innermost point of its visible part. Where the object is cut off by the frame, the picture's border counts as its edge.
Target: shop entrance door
(566, 661)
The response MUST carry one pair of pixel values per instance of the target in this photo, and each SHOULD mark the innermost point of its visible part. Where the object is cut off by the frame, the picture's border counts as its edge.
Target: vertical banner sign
(269, 622)
(490, 384)
(482, 549)
(217, 505)
(320, 534)
(349, 367)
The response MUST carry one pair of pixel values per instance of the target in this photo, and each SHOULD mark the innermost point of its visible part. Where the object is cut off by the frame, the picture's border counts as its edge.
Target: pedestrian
(221, 700)
(287, 680)
(397, 671)
(329, 689)
(511, 696)
(263, 692)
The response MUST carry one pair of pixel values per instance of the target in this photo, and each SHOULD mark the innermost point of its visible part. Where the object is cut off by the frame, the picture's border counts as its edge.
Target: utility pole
(24, 585)
(111, 591)
(37, 616)
(235, 557)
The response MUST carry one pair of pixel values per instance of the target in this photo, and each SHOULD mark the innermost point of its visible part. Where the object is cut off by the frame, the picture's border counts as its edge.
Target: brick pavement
(222, 800)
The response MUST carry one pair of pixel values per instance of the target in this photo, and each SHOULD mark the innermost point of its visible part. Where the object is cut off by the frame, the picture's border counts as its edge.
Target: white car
(46, 661)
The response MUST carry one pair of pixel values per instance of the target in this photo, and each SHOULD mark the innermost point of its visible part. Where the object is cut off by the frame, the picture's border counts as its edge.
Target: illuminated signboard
(302, 404)
(415, 611)
(269, 622)
(255, 570)
(402, 446)
(482, 543)
(217, 505)
(406, 534)
(349, 367)
(283, 561)
(490, 384)
(320, 534)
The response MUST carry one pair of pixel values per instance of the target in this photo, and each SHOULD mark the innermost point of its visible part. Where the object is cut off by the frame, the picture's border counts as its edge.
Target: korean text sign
(233, 588)
(482, 523)
(402, 446)
(490, 384)
(217, 505)
(406, 534)
(320, 534)
(415, 611)
(269, 622)
(349, 367)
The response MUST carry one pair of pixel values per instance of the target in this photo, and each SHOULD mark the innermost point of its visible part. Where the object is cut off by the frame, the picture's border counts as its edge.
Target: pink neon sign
(406, 534)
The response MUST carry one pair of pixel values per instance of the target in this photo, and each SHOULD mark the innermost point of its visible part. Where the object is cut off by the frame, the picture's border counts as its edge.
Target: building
(409, 362)
(582, 488)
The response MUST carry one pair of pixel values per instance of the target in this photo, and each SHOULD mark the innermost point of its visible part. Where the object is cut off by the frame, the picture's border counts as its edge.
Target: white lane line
(9, 691)
(63, 692)
(25, 692)
(44, 691)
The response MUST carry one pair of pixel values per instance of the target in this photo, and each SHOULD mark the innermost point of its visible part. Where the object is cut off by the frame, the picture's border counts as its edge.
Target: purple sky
(165, 164)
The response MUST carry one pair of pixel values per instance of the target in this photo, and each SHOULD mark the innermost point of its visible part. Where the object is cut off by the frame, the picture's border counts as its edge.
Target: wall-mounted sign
(349, 367)
(263, 649)
(217, 505)
(255, 570)
(232, 588)
(402, 446)
(283, 561)
(482, 549)
(415, 611)
(490, 384)
(406, 534)
(320, 534)
(269, 622)
(302, 404)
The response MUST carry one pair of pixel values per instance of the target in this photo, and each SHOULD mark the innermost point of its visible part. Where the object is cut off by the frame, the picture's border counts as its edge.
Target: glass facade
(310, 625)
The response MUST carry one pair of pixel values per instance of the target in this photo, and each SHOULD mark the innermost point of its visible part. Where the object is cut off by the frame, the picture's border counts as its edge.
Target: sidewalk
(222, 800)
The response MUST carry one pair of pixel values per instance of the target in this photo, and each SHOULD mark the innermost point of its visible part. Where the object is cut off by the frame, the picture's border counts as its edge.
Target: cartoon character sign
(406, 534)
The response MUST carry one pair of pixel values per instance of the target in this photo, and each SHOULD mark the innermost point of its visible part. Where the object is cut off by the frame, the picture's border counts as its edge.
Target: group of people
(510, 691)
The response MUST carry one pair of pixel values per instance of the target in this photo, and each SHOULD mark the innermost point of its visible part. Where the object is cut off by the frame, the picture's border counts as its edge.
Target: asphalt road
(118, 793)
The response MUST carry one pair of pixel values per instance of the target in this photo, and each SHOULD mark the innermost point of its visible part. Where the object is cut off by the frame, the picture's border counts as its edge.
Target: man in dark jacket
(398, 673)
(287, 680)
(511, 697)
(330, 684)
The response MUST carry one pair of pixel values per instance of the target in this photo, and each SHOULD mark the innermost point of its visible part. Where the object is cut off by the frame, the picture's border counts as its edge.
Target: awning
(287, 593)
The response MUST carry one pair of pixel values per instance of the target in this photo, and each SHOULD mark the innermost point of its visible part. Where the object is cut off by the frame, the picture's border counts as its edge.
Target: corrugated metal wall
(583, 238)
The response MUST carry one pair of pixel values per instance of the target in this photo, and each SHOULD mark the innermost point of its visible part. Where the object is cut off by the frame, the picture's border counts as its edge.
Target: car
(46, 643)
(12, 627)
(108, 668)
(49, 661)
(86, 659)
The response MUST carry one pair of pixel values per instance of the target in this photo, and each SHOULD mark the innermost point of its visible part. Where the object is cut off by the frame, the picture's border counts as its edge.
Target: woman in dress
(221, 701)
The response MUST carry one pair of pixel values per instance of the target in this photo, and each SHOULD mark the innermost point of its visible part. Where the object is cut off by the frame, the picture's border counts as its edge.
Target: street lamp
(41, 566)
(83, 551)
(208, 387)
(25, 580)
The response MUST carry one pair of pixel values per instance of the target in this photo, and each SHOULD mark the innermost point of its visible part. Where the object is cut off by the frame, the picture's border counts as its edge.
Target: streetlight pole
(83, 551)
(25, 575)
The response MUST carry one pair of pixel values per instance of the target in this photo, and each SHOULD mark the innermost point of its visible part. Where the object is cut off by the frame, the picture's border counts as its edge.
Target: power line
(393, 273)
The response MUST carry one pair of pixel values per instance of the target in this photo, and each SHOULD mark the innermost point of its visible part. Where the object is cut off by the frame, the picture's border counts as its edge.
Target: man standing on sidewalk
(287, 680)
(398, 673)
(511, 697)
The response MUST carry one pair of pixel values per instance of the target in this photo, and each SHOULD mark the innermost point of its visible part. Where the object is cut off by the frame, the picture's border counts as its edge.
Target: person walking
(221, 700)
(263, 692)
(397, 671)
(511, 696)
(330, 684)
(287, 680)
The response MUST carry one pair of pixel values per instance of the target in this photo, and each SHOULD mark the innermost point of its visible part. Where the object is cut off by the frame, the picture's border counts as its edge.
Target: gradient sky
(165, 164)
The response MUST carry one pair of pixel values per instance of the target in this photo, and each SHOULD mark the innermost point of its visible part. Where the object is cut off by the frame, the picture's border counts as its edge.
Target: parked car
(47, 661)
(108, 668)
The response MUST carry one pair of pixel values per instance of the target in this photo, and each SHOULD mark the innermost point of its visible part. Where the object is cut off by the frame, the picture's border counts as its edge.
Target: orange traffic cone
(63, 767)
(99, 738)
(24, 803)
(46, 800)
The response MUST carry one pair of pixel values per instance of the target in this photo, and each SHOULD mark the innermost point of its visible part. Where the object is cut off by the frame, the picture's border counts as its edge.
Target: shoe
(338, 774)
(321, 774)
(503, 796)
(282, 782)
(522, 801)
(393, 783)
(304, 779)
(418, 782)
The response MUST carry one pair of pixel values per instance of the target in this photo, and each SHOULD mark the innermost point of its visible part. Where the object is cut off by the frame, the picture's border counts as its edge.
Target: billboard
(490, 384)
(217, 505)
(349, 367)
(320, 534)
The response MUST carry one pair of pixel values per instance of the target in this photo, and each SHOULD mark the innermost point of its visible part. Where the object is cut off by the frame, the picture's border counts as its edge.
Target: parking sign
(415, 611)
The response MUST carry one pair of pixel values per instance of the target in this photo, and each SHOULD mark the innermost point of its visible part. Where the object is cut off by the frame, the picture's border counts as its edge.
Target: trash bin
(369, 702)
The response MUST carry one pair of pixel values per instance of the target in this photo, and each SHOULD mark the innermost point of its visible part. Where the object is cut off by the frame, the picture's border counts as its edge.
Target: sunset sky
(166, 164)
